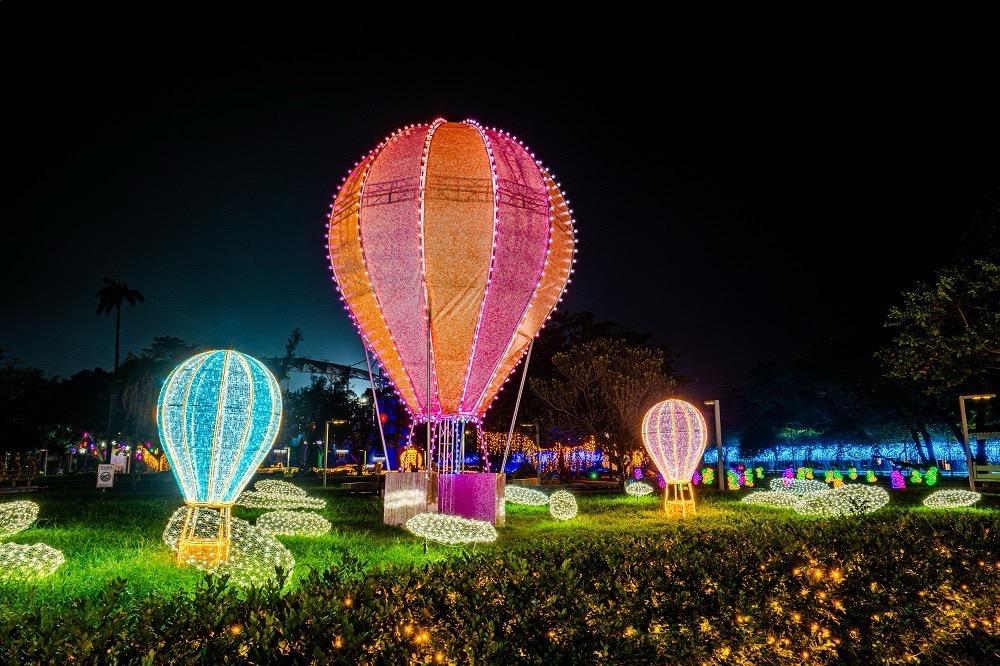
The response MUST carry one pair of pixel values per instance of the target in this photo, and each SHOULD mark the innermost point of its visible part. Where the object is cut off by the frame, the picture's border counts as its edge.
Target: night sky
(735, 203)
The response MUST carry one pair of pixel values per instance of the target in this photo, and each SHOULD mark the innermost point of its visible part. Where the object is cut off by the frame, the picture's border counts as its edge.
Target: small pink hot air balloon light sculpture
(675, 435)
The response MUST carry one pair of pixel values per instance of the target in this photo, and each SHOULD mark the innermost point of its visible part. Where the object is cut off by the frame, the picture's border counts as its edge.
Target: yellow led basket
(674, 434)
(218, 415)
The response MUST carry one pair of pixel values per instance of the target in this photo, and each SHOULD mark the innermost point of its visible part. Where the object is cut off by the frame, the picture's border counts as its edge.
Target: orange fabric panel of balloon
(459, 225)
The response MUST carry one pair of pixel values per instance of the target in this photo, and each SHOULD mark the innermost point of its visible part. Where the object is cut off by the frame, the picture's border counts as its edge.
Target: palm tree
(111, 297)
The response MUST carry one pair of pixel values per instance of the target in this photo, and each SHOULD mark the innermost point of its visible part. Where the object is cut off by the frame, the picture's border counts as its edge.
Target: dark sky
(735, 200)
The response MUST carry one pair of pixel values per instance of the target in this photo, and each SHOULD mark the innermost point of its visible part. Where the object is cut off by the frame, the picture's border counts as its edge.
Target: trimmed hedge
(893, 587)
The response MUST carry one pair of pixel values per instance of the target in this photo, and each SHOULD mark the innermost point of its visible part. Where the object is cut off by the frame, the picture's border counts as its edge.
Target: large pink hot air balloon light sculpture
(674, 433)
(450, 246)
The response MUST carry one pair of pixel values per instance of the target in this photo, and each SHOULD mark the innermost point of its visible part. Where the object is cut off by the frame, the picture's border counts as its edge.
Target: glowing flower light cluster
(527, 496)
(638, 489)
(773, 498)
(23, 562)
(294, 523)
(562, 505)
(951, 499)
(218, 415)
(898, 480)
(16, 517)
(273, 494)
(253, 555)
(20, 562)
(851, 499)
(797, 486)
(450, 530)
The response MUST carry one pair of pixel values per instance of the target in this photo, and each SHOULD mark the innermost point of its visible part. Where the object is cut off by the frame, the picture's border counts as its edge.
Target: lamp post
(538, 450)
(326, 444)
(965, 433)
(720, 466)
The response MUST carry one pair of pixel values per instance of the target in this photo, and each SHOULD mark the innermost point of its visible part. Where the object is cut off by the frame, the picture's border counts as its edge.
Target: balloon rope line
(517, 405)
(378, 415)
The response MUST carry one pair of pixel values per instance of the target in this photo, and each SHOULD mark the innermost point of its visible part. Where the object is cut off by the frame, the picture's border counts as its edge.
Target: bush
(869, 589)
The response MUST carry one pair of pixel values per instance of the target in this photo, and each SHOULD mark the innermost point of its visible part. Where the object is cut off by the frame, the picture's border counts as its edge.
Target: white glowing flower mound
(275, 487)
(773, 499)
(294, 523)
(450, 530)
(951, 499)
(848, 500)
(638, 489)
(562, 505)
(797, 486)
(253, 553)
(19, 562)
(16, 517)
(273, 494)
(529, 496)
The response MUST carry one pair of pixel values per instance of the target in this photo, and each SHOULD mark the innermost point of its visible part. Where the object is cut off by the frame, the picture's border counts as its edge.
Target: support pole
(969, 463)
(378, 415)
(517, 406)
(427, 387)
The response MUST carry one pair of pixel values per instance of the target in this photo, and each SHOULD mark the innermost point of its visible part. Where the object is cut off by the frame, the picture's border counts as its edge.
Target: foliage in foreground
(873, 589)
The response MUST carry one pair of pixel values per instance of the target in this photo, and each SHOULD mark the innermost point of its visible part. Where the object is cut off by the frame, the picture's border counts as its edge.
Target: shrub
(868, 589)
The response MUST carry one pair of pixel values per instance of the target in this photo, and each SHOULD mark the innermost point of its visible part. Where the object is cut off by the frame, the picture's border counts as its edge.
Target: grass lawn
(118, 534)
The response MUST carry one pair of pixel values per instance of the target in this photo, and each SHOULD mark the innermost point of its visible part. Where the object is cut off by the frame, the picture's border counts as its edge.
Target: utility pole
(720, 465)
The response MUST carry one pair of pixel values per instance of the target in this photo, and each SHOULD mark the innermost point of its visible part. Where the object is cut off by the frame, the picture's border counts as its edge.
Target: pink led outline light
(527, 307)
(347, 307)
(493, 256)
(364, 262)
(428, 413)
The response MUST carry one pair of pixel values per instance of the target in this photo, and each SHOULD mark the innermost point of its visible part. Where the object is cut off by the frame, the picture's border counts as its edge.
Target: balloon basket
(199, 549)
(678, 500)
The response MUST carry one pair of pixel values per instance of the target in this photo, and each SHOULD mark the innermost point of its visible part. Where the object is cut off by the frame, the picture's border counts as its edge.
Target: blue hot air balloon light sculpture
(218, 415)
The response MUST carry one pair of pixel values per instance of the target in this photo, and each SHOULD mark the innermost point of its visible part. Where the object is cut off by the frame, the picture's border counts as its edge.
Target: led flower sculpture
(675, 434)
(218, 415)
(450, 246)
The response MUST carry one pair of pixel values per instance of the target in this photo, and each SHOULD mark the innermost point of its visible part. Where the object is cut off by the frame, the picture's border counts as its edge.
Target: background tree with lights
(604, 387)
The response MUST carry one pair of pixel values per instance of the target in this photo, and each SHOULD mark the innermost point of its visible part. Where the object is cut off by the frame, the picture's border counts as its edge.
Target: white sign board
(105, 476)
(118, 462)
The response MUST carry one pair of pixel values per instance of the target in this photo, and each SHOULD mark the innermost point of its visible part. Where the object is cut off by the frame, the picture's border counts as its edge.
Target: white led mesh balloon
(675, 434)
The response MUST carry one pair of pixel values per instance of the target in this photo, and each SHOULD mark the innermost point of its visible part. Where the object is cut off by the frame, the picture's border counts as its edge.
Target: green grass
(118, 534)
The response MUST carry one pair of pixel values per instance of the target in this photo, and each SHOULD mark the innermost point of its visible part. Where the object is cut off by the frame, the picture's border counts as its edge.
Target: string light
(951, 499)
(527, 496)
(450, 530)
(20, 562)
(562, 505)
(16, 517)
(294, 523)
(254, 555)
(638, 489)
